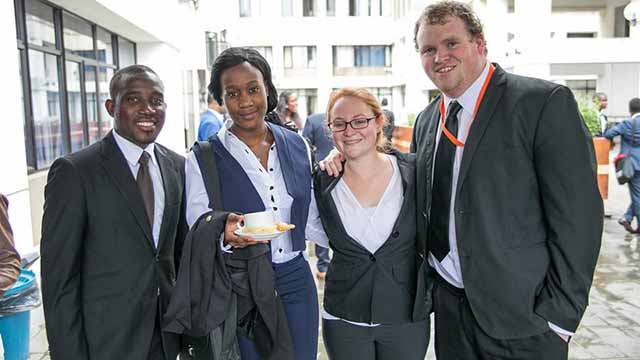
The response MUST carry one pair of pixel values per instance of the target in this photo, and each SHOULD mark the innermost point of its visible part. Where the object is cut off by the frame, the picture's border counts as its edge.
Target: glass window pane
(92, 102)
(40, 28)
(106, 122)
(46, 107)
(287, 8)
(126, 53)
(105, 46)
(245, 8)
(331, 7)
(74, 100)
(78, 36)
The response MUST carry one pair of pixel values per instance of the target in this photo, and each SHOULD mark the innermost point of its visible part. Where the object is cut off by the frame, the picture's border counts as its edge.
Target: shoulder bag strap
(209, 170)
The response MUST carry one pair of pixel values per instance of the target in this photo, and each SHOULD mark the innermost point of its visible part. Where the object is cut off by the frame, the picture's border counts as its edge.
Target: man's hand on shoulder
(332, 164)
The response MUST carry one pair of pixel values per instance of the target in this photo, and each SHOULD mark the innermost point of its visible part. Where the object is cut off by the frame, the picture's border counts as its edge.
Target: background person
(630, 146)
(391, 119)
(288, 111)
(601, 102)
(112, 229)
(318, 134)
(211, 120)
(262, 167)
(374, 298)
(9, 257)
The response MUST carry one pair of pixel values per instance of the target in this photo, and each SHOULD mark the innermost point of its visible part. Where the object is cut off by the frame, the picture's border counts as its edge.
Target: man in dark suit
(317, 132)
(112, 232)
(508, 204)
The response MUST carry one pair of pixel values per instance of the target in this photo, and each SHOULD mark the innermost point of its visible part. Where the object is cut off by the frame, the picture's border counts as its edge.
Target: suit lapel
(169, 181)
(495, 91)
(425, 157)
(118, 170)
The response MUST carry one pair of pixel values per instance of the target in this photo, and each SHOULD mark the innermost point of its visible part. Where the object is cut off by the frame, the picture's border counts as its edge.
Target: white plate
(269, 236)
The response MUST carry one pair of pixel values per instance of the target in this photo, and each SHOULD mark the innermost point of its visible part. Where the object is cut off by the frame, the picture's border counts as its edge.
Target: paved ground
(610, 329)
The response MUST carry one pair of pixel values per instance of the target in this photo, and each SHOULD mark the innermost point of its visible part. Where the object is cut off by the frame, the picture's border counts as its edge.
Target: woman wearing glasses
(374, 299)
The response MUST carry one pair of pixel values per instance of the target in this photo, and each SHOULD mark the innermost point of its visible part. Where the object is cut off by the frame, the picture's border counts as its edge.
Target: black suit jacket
(528, 214)
(103, 281)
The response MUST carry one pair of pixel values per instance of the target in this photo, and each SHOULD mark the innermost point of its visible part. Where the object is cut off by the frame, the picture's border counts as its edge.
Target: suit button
(372, 258)
(395, 234)
(157, 258)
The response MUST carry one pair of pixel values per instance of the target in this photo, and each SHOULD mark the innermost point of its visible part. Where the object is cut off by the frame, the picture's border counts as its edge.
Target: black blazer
(528, 213)
(102, 278)
(389, 286)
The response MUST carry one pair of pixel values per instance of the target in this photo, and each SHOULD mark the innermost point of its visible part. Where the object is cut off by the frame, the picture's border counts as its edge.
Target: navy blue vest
(240, 196)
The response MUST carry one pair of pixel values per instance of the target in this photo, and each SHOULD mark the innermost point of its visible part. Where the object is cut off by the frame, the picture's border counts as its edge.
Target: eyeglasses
(359, 123)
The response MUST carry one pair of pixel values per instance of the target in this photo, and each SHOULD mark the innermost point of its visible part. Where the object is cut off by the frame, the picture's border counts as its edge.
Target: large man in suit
(507, 199)
(112, 232)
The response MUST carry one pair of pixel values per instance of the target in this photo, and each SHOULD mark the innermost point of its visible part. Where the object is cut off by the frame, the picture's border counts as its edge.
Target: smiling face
(355, 143)
(245, 96)
(138, 109)
(450, 56)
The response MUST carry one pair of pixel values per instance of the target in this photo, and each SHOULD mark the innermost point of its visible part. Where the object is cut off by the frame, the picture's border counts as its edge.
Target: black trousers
(156, 352)
(458, 335)
(345, 341)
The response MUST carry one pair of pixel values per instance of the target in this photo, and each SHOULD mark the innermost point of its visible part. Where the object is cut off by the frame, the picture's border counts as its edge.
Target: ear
(111, 107)
(481, 44)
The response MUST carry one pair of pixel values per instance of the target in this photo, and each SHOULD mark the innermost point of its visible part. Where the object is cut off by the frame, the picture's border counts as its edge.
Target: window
(362, 56)
(309, 8)
(580, 35)
(582, 89)
(265, 51)
(287, 8)
(126, 53)
(245, 8)
(620, 24)
(78, 36)
(354, 8)
(331, 7)
(300, 57)
(66, 65)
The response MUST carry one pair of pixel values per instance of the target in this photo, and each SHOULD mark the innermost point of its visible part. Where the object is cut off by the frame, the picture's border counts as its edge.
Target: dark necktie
(438, 231)
(145, 185)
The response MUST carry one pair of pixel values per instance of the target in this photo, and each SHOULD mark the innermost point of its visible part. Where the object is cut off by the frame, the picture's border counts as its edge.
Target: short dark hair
(384, 102)
(122, 77)
(437, 14)
(634, 106)
(236, 56)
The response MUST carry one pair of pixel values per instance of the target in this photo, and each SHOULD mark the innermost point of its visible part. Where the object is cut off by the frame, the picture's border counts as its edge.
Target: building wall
(13, 181)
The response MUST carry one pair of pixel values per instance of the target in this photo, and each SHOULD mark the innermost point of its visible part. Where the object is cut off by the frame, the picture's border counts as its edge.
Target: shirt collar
(635, 115)
(468, 98)
(216, 114)
(131, 151)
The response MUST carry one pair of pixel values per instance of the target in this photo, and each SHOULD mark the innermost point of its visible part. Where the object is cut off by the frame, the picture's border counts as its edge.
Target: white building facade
(67, 50)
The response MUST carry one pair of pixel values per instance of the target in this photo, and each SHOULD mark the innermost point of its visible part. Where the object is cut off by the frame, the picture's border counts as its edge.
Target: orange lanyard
(445, 131)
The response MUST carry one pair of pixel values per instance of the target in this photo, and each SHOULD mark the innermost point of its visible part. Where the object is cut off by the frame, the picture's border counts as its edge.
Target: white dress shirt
(449, 267)
(269, 183)
(132, 153)
(369, 226)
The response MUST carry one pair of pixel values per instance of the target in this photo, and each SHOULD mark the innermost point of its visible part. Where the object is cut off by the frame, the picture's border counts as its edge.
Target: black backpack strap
(209, 170)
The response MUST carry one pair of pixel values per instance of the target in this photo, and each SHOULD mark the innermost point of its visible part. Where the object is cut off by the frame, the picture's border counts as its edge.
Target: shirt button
(270, 187)
(271, 169)
(275, 208)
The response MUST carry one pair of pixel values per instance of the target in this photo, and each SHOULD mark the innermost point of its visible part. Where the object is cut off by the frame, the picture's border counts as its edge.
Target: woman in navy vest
(376, 302)
(261, 166)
